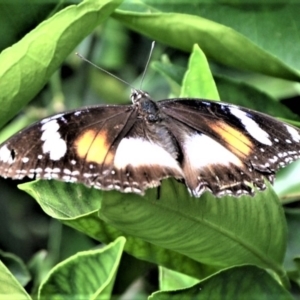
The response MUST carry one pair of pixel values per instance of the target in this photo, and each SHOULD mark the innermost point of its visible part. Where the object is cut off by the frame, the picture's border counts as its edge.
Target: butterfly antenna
(103, 70)
(146, 67)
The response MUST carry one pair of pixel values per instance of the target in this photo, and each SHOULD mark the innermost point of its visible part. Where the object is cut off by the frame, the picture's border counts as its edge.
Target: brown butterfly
(208, 145)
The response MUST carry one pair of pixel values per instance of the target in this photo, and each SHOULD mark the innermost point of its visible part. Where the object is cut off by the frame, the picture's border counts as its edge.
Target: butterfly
(207, 145)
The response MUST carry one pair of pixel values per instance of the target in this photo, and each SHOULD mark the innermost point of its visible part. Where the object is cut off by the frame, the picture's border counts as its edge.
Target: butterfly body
(208, 145)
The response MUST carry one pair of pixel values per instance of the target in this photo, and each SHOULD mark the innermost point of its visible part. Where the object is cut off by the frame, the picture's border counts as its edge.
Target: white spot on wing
(251, 126)
(139, 152)
(203, 151)
(25, 160)
(293, 132)
(53, 143)
(47, 120)
(67, 171)
(5, 155)
(273, 160)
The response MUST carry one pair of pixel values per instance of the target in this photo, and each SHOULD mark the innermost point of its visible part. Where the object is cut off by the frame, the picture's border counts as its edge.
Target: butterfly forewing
(107, 147)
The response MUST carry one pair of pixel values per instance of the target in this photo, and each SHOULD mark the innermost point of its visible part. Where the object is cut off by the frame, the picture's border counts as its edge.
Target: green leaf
(199, 229)
(243, 94)
(39, 265)
(27, 65)
(271, 24)
(198, 81)
(86, 275)
(16, 266)
(287, 183)
(63, 200)
(10, 288)
(172, 280)
(77, 205)
(293, 245)
(218, 42)
(204, 229)
(295, 275)
(173, 74)
(29, 15)
(246, 282)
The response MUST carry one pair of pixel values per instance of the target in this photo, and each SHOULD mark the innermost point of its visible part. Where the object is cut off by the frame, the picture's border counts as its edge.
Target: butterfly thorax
(153, 123)
(148, 110)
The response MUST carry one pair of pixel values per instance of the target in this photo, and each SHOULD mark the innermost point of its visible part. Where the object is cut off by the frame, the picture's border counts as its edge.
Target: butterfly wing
(75, 146)
(229, 149)
(107, 147)
(211, 145)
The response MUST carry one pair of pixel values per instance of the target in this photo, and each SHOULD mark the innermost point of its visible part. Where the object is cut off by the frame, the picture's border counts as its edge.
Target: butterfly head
(148, 109)
(137, 95)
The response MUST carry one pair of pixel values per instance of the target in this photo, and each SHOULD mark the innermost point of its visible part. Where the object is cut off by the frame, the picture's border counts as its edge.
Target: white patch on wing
(53, 143)
(202, 151)
(5, 155)
(47, 120)
(294, 133)
(251, 126)
(139, 152)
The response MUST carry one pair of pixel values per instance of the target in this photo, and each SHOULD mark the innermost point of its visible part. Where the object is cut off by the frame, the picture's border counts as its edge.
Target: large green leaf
(201, 229)
(10, 288)
(271, 24)
(86, 275)
(77, 206)
(247, 282)
(27, 65)
(204, 229)
(219, 42)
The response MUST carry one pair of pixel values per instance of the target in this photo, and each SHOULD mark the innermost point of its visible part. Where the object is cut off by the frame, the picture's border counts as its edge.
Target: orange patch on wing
(93, 147)
(237, 141)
